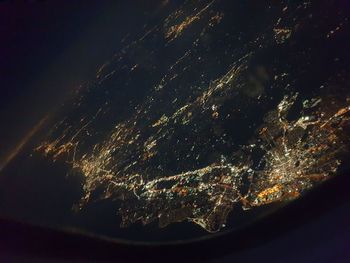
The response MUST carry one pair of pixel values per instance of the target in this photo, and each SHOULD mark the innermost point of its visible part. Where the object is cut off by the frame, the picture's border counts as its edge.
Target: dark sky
(48, 48)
